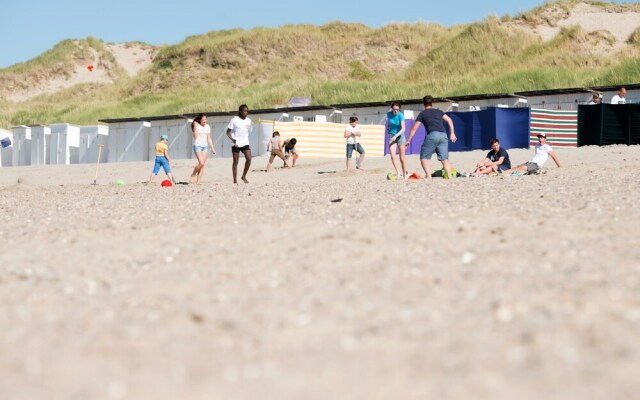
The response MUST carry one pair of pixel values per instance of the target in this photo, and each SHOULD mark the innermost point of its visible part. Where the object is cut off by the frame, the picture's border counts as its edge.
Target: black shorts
(236, 149)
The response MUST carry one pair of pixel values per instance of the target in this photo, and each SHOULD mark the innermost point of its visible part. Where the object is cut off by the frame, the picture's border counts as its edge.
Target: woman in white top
(238, 131)
(201, 137)
(352, 133)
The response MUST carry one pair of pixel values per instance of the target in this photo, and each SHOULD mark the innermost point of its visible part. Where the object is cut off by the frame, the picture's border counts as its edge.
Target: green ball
(119, 181)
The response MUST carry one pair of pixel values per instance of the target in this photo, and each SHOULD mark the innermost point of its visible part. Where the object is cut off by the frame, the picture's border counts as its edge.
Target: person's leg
(442, 150)
(349, 155)
(361, 158)
(234, 165)
(487, 170)
(247, 164)
(271, 158)
(202, 160)
(280, 154)
(427, 168)
(196, 170)
(519, 168)
(447, 167)
(156, 169)
(426, 152)
(392, 153)
(167, 169)
(294, 157)
(403, 161)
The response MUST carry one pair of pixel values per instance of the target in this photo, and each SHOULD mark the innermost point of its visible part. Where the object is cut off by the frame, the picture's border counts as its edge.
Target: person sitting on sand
(275, 146)
(497, 160)
(542, 153)
(162, 159)
(290, 148)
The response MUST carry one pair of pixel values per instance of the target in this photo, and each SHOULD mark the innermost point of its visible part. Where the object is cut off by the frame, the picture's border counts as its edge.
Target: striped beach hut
(560, 126)
(326, 140)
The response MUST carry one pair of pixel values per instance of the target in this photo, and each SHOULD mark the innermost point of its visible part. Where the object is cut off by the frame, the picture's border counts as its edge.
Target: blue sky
(30, 27)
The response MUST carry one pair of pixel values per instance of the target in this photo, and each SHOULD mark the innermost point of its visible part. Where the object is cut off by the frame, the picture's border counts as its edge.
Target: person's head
(275, 133)
(353, 121)
(243, 111)
(622, 92)
(427, 101)
(596, 97)
(495, 144)
(395, 107)
(201, 119)
(164, 137)
(542, 137)
(293, 141)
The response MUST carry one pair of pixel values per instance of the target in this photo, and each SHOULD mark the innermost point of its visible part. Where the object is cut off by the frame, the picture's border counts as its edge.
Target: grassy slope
(333, 63)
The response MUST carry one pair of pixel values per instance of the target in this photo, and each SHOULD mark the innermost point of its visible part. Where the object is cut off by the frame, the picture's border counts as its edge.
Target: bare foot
(192, 179)
(244, 180)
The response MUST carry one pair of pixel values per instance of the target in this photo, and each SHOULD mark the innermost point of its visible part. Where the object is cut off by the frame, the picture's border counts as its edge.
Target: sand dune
(485, 288)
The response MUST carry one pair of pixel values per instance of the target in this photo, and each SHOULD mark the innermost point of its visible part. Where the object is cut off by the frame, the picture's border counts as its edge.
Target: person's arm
(166, 155)
(449, 121)
(500, 161)
(400, 132)
(483, 162)
(194, 131)
(347, 134)
(414, 129)
(555, 158)
(213, 150)
(230, 136)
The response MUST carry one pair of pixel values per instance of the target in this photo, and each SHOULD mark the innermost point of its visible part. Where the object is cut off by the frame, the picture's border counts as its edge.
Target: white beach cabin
(128, 141)
(6, 152)
(91, 137)
(40, 142)
(65, 144)
(21, 154)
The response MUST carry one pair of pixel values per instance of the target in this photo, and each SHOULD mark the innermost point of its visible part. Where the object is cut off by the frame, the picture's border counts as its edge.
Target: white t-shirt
(355, 130)
(542, 154)
(240, 129)
(201, 134)
(618, 100)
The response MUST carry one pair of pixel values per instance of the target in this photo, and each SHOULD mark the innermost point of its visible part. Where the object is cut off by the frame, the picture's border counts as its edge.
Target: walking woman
(201, 137)
(395, 130)
(238, 131)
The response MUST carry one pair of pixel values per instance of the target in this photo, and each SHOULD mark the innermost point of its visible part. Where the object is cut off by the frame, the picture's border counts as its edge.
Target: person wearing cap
(620, 98)
(542, 153)
(162, 159)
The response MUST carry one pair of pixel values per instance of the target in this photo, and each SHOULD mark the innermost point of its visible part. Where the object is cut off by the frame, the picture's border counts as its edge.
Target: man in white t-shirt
(238, 131)
(620, 98)
(542, 153)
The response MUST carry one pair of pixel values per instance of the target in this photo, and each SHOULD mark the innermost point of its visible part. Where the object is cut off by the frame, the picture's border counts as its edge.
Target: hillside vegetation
(334, 63)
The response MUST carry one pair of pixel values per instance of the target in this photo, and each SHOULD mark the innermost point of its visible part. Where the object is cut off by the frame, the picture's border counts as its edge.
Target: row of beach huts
(132, 139)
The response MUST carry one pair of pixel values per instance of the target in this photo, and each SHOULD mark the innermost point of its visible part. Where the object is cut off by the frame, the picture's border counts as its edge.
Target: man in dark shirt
(497, 160)
(436, 140)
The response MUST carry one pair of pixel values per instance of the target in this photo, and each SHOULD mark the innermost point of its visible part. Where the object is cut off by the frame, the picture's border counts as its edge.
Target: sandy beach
(486, 288)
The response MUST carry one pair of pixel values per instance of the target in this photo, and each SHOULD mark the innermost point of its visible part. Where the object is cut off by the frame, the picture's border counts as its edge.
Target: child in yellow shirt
(162, 159)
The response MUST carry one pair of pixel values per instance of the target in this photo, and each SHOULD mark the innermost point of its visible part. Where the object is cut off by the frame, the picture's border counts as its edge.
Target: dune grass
(333, 63)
